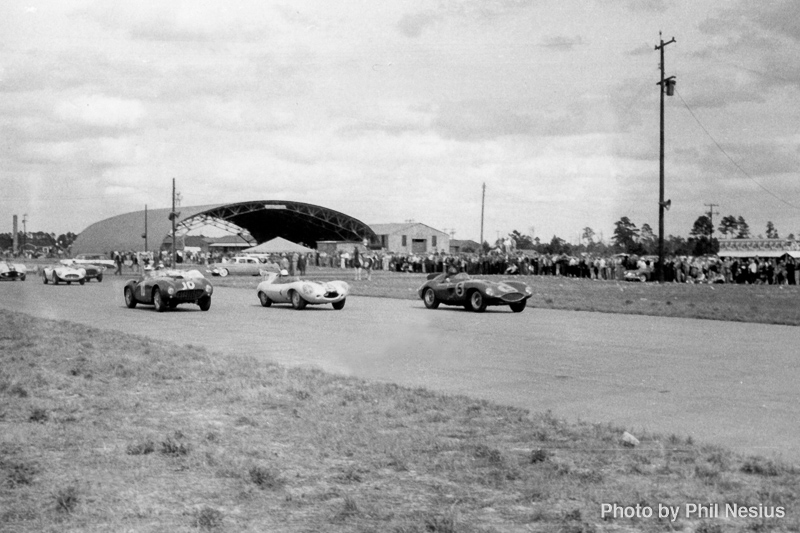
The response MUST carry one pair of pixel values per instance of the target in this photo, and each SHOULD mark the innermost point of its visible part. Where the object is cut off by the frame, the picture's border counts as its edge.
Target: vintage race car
(282, 288)
(10, 270)
(240, 266)
(92, 271)
(473, 294)
(56, 274)
(94, 259)
(168, 288)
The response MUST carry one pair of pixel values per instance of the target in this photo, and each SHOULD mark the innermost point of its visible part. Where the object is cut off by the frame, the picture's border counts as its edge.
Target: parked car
(92, 271)
(240, 266)
(95, 259)
(9, 270)
(281, 288)
(165, 289)
(68, 274)
(473, 294)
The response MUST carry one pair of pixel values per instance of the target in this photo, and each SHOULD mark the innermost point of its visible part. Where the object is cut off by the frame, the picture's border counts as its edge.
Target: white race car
(282, 288)
(63, 274)
(10, 270)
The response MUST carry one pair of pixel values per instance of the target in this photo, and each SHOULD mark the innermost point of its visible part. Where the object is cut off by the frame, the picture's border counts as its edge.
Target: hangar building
(411, 238)
(256, 222)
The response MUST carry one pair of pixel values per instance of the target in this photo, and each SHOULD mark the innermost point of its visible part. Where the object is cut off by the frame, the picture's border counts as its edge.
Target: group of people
(600, 267)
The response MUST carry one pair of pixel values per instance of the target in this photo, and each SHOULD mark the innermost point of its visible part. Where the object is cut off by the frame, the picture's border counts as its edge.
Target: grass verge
(102, 431)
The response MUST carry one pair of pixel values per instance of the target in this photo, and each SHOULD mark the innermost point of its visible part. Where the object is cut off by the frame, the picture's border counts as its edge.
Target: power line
(743, 171)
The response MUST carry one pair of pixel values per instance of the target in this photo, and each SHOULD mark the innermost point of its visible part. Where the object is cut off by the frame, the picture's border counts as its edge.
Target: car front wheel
(130, 301)
(429, 297)
(297, 301)
(223, 272)
(158, 301)
(340, 304)
(204, 303)
(264, 299)
(44, 278)
(517, 307)
(476, 302)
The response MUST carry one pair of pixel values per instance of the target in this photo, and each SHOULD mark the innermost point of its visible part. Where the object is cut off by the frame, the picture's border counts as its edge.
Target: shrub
(67, 499)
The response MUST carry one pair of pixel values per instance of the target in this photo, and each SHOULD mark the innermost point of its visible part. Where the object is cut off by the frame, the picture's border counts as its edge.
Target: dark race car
(168, 288)
(473, 294)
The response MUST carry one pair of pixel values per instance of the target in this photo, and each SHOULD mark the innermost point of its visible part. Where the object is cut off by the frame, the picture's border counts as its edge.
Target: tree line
(632, 240)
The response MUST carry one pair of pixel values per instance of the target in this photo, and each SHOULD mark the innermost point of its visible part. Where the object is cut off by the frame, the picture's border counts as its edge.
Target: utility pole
(667, 85)
(711, 214)
(172, 216)
(144, 235)
(25, 229)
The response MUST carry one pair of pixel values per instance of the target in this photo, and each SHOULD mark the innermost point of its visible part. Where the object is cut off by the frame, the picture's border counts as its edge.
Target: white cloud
(102, 111)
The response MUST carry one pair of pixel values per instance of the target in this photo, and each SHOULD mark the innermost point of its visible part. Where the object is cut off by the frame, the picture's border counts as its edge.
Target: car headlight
(308, 289)
(490, 291)
(528, 290)
(171, 291)
(209, 289)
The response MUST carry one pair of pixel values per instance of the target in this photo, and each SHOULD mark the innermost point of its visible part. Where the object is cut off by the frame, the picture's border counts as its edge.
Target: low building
(460, 246)
(411, 238)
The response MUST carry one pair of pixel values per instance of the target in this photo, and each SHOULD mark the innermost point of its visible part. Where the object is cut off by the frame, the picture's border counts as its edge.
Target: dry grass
(147, 436)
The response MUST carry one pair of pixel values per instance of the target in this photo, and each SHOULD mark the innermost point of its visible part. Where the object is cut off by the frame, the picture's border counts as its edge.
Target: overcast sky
(390, 111)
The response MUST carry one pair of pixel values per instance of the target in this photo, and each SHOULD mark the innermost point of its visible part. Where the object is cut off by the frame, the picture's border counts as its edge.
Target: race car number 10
(187, 285)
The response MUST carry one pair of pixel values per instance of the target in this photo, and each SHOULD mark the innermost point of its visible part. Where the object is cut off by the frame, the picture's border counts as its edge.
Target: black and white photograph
(408, 267)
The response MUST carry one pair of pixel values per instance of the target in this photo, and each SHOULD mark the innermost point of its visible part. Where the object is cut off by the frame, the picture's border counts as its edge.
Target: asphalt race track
(726, 383)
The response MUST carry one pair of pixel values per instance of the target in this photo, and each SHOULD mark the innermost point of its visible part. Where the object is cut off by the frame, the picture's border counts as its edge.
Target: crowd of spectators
(709, 269)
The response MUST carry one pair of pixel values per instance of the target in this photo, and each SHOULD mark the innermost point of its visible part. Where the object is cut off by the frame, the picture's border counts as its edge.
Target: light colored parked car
(239, 266)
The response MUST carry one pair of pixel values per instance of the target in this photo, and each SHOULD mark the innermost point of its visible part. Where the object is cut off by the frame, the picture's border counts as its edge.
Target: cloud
(100, 111)
(413, 25)
(562, 43)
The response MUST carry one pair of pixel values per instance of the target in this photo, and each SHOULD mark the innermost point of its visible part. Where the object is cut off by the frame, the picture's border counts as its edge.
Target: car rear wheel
(44, 278)
(264, 299)
(340, 304)
(100, 278)
(204, 303)
(223, 272)
(518, 307)
(158, 301)
(429, 297)
(297, 301)
(22, 277)
(476, 302)
(642, 278)
(130, 301)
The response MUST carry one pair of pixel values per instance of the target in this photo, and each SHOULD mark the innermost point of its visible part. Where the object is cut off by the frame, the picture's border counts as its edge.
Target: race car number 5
(460, 289)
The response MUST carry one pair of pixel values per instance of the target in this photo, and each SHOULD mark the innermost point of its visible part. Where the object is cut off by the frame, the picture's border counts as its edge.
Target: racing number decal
(460, 289)
(187, 285)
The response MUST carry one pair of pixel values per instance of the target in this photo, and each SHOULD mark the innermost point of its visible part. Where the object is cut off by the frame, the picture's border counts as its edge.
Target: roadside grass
(102, 431)
(765, 304)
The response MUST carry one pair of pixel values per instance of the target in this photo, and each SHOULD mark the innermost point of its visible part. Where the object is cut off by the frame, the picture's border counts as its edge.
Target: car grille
(188, 296)
(331, 294)
(71, 276)
(513, 297)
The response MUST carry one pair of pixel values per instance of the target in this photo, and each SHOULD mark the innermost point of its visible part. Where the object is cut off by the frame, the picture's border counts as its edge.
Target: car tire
(223, 272)
(477, 302)
(55, 279)
(297, 301)
(340, 304)
(69, 283)
(158, 301)
(22, 277)
(130, 299)
(82, 281)
(204, 303)
(643, 278)
(44, 278)
(429, 298)
(100, 278)
(264, 299)
(518, 307)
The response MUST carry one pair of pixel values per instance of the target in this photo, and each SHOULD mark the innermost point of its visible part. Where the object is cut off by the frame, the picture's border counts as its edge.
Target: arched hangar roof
(258, 221)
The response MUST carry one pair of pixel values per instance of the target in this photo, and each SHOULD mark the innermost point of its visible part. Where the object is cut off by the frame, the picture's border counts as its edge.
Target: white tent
(278, 245)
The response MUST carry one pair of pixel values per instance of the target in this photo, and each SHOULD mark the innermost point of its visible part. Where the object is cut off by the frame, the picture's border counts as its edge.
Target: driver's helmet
(452, 271)
(284, 272)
